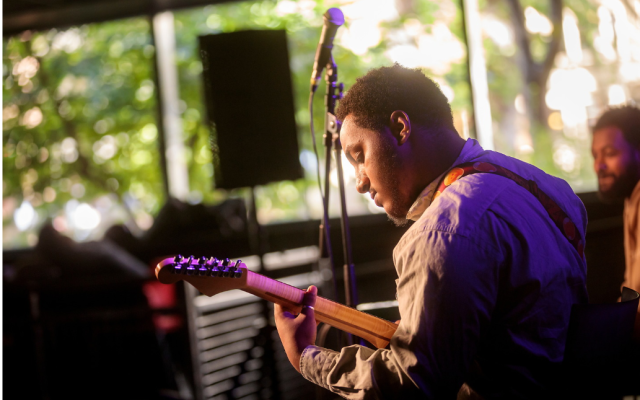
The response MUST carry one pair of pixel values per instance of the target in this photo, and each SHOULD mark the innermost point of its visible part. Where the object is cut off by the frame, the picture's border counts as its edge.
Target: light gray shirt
(485, 287)
(632, 240)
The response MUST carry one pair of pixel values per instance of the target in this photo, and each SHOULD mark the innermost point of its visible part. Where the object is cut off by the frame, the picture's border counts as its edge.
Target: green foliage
(97, 138)
(79, 120)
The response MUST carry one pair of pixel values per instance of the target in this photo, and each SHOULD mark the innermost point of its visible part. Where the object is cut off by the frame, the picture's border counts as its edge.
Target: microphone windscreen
(335, 16)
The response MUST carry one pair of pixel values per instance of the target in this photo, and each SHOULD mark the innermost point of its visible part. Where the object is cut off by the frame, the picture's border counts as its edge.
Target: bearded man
(487, 274)
(616, 154)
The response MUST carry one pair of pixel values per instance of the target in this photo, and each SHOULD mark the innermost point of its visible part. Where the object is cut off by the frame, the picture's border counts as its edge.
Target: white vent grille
(239, 354)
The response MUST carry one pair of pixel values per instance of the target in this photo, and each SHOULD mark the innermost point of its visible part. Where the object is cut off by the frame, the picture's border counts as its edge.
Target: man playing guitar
(487, 274)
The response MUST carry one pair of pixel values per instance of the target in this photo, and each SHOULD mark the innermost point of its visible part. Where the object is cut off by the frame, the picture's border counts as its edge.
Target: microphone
(333, 19)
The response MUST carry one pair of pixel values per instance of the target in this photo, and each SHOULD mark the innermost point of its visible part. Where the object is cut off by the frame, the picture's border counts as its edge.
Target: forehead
(352, 135)
(609, 136)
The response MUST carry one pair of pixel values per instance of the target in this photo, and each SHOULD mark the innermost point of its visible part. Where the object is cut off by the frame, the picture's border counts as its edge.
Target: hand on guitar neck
(212, 276)
(297, 331)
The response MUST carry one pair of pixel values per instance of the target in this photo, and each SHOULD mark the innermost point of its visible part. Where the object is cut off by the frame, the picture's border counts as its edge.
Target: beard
(390, 163)
(622, 186)
(398, 221)
(396, 199)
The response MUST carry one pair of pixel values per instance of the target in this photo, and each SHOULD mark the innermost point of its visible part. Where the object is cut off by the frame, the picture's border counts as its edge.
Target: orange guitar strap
(557, 215)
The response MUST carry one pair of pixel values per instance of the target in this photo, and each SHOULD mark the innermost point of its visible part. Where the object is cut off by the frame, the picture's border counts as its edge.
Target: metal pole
(256, 233)
(162, 146)
(473, 132)
(332, 129)
(478, 74)
(167, 78)
(326, 251)
(351, 291)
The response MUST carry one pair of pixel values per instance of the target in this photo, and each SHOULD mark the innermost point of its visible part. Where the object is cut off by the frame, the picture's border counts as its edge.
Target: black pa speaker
(250, 108)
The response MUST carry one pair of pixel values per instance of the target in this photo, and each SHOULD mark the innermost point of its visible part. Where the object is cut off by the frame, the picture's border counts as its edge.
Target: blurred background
(108, 167)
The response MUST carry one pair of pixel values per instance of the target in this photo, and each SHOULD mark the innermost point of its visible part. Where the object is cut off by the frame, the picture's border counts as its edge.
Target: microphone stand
(332, 140)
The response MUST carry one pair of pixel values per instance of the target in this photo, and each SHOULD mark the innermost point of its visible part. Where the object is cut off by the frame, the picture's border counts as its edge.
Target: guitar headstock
(210, 276)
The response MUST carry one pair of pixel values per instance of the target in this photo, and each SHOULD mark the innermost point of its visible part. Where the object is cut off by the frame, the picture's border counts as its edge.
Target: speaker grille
(250, 108)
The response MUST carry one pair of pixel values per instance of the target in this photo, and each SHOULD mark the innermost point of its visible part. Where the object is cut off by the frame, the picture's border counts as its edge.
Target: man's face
(616, 163)
(381, 169)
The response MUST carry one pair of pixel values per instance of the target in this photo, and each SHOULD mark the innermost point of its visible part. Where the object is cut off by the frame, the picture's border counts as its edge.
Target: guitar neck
(375, 330)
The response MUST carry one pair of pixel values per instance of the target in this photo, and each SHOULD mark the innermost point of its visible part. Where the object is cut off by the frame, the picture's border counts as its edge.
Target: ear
(400, 126)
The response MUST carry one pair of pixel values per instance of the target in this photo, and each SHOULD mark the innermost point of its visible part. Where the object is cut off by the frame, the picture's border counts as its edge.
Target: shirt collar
(633, 201)
(635, 195)
(470, 150)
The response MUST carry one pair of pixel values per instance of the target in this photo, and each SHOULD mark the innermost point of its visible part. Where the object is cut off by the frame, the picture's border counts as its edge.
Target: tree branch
(556, 40)
(70, 129)
(537, 73)
(522, 38)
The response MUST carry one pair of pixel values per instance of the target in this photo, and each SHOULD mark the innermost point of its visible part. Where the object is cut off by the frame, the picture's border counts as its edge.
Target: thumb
(309, 299)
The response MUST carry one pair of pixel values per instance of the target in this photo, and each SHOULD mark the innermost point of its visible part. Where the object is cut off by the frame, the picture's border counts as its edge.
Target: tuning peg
(226, 262)
(190, 268)
(236, 272)
(215, 267)
(177, 266)
(203, 270)
(214, 262)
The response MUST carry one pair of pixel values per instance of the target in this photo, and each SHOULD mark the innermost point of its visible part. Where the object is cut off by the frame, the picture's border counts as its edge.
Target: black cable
(315, 147)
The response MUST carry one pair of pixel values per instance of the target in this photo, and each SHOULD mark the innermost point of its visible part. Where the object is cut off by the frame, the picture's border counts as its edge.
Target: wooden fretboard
(375, 330)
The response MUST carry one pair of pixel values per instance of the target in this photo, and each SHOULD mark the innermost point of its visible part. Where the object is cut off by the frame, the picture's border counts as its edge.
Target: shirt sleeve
(632, 244)
(447, 290)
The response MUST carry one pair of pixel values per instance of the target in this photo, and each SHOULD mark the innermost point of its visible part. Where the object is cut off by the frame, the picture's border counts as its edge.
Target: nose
(362, 181)
(599, 164)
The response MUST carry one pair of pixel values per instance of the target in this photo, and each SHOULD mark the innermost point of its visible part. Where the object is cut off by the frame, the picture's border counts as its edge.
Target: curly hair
(374, 96)
(625, 118)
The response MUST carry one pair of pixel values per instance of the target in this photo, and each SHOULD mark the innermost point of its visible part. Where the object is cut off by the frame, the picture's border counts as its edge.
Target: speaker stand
(256, 234)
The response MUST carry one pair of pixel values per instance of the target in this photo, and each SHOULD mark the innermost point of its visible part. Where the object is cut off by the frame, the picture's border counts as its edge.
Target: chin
(398, 221)
(610, 197)
(619, 190)
(397, 206)
(398, 218)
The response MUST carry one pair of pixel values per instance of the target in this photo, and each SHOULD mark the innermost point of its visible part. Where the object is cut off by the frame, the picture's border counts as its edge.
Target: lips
(374, 197)
(606, 179)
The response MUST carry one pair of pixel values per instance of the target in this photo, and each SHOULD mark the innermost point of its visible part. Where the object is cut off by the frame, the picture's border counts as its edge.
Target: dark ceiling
(15, 7)
(21, 15)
